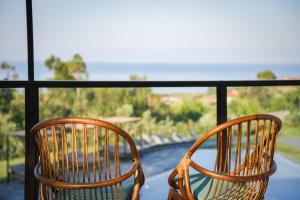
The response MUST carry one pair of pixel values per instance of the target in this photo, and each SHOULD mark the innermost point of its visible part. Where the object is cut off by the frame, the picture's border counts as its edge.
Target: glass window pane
(281, 101)
(168, 118)
(13, 40)
(167, 40)
(12, 143)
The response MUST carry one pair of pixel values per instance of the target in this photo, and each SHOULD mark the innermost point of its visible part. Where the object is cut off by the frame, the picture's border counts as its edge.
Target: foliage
(6, 125)
(57, 102)
(289, 151)
(147, 123)
(278, 103)
(294, 119)
(212, 90)
(187, 110)
(292, 100)
(266, 74)
(207, 122)
(244, 106)
(103, 102)
(64, 102)
(188, 115)
(16, 147)
(6, 96)
(74, 69)
(11, 114)
(160, 110)
(135, 77)
(17, 110)
(13, 161)
(124, 111)
(267, 99)
(138, 97)
(10, 70)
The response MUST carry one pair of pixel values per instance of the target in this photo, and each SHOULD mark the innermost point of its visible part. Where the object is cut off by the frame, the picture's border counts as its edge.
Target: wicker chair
(80, 159)
(242, 166)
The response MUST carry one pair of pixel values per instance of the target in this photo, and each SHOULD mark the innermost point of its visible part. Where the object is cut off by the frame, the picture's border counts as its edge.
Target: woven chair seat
(205, 187)
(108, 193)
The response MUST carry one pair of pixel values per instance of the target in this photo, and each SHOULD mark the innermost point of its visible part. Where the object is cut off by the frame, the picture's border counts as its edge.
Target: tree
(11, 114)
(6, 97)
(11, 73)
(245, 106)
(124, 111)
(74, 69)
(139, 97)
(147, 122)
(11, 99)
(188, 110)
(135, 77)
(266, 75)
(292, 99)
(62, 101)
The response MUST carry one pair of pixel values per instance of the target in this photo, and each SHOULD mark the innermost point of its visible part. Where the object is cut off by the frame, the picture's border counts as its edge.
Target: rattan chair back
(79, 158)
(242, 164)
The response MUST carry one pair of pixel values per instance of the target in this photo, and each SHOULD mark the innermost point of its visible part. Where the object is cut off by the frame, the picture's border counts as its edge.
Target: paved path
(292, 141)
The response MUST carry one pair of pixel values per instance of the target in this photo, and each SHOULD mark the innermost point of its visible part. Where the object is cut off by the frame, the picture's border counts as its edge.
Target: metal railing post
(31, 118)
(31, 113)
(221, 118)
(7, 159)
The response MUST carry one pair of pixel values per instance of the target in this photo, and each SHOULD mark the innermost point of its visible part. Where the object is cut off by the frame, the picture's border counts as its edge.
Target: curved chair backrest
(82, 153)
(245, 158)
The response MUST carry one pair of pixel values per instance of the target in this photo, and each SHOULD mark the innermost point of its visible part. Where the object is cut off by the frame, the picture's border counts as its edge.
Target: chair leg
(170, 196)
(173, 195)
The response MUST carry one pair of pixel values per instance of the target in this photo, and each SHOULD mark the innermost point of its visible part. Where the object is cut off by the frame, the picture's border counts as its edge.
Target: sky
(164, 31)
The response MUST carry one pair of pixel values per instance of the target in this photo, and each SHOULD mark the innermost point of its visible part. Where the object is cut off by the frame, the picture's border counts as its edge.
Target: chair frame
(50, 182)
(182, 190)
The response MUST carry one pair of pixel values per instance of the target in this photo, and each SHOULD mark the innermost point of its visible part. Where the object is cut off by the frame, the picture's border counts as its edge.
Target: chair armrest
(234, 178)
(171, 179)
(66, 185)
(219, 176)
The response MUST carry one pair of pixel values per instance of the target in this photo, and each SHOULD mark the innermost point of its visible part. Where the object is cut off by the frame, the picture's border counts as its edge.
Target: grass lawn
(289, 131)
(13, 161)
(289, 151)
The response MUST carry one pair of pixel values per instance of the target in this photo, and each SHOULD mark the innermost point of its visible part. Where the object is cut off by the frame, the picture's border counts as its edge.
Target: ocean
(168, 72)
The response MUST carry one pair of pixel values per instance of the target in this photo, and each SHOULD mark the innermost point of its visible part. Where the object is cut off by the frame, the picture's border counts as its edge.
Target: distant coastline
(162, 71)
(170, 72)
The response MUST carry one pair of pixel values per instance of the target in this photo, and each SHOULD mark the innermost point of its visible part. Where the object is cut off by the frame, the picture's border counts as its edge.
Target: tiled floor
(12, 191)
(284, 184)
(156, 161)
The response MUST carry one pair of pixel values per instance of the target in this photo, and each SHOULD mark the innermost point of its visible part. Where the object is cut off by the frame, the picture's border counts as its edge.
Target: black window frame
(32, 98)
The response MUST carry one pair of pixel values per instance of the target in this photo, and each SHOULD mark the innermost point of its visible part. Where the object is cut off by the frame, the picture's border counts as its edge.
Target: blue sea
(169, 72)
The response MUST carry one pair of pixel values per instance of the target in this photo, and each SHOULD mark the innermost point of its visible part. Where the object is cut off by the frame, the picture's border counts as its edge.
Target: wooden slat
(105, 160)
